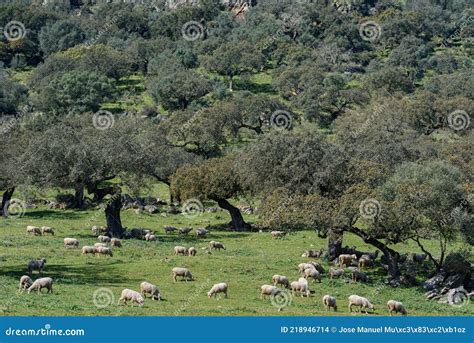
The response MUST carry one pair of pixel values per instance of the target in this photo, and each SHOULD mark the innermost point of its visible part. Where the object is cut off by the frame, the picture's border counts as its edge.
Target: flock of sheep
(308, 270)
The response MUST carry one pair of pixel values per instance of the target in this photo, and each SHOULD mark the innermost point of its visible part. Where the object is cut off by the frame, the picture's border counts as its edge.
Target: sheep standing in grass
(328, 302)
(115, 242)
(277, 234)
(365, 262)
(104, 239)
(335, 273)
(312, 273)
(200, 232)
(218, 288)
(346, 259)
(184, 230)
(300, 286)
(133, 296)
(104, 251)
(216, 245)
(357, 275)
(34, 230)
(170, 229)
(149, 288)
(362, 302)
(313, 253)
(183, 272)
(397, 307)
(179, 250)
(36, 265)
(87, 249)
(281, 280)
(71, 243)
(97, 230)
(25, 282)
(103, 245)
(150, 237)
(269, 290)
(44, 282)
(47, 230)
(192, 251)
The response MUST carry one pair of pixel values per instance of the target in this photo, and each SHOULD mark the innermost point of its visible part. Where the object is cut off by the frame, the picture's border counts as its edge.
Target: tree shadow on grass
(78, 274)
(41, 214)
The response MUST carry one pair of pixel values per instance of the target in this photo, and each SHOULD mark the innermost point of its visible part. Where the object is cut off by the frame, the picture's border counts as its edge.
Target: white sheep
(277, 234)
(334, 272)
(97, 230)
(104, 251)
(269, 290)
(33, 230)
(36, 265)
(87, 249)
(281, 280)
(183, 272)
(192, 251)
(115, 242)
(104, 239)
(179, 250)
(128, 294)
(357, 275)
(346, 259)
(397, 307)
(328, 302)
(47, 230)
(300, 286)
(312, 273)
(216, 245)
(25, 282)
(218, 288)
(71, 243)
(150, 237)
(362, 302)
(44, 282)
(98, 244)
(149, 288)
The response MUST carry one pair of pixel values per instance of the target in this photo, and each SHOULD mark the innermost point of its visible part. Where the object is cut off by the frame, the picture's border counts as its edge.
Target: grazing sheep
(300, 286)
(184, 230)
(396, 306)
(44, 282)
(128, 294)
(335, 273)
(346, 259)
(47, 229)
(183, 272)
(169, 229)
(365, 262)
(269, 290)
(357, 275)
(281, 280)
(115, 242)
(218, 288)
(33, 230)
(201, 232)
(25, 282)
(104, 251)
(313, 253)
(277, 234)
(150, 237)
(104, 239)
(313, 273)
(362, 302)
(328, 302)
(179, 250)
(36, 265)
(304, 265)
(87, 249)
(104, 245)
(192, 251)
(71, 243)
(149, 288)
(216, 245)
(97, 230)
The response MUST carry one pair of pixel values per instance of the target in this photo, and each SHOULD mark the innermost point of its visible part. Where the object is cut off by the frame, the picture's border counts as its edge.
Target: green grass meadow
(249, 262)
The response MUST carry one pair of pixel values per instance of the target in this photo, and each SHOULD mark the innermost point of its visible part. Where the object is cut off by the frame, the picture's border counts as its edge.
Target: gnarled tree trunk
(238, 222)
(79, 195)
(112, 215)
(335, 236)
(7, 196)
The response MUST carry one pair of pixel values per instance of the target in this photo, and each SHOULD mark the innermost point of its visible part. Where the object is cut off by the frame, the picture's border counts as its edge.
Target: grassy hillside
(249, 261)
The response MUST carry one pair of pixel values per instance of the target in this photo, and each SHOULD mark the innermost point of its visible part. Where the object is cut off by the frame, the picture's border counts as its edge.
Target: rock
(455, 296)
(454, 281)
(434, 282)
(172, 210)
(151, 209)
(455, 263)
